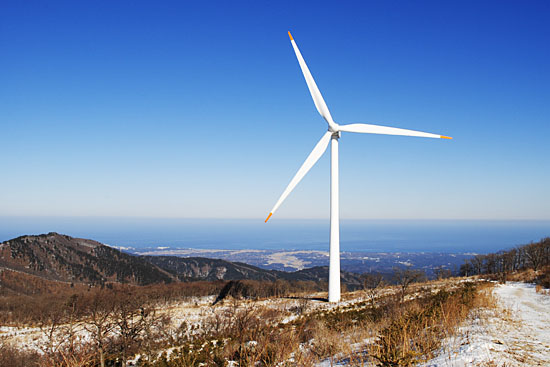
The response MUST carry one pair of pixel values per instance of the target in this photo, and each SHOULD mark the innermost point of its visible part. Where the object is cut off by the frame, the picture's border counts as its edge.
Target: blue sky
(199, 110)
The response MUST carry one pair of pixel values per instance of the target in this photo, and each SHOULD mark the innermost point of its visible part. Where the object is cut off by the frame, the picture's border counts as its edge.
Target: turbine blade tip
(445, 137)
(292, 39)
(269, 216)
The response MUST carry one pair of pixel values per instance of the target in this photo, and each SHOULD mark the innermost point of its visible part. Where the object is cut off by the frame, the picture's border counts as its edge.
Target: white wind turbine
(333, 134)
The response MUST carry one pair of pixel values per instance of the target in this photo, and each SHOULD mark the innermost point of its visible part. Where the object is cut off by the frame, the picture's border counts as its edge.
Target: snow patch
(517, 333)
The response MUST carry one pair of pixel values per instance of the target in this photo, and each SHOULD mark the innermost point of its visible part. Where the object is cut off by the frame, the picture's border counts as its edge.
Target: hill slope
(200, 268)
(64, 258)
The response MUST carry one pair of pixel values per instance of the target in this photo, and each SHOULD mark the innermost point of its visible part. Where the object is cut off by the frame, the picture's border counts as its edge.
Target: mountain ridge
(63, 258)
(69, 259)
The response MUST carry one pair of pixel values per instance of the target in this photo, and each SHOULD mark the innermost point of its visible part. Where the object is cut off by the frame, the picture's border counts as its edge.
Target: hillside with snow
(514, 333)
(451, 322)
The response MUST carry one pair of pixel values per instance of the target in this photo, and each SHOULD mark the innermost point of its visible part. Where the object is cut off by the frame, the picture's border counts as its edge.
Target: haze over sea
(451, 236)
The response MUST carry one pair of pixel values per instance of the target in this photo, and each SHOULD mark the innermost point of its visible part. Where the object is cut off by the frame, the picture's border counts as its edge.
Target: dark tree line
(535, 256)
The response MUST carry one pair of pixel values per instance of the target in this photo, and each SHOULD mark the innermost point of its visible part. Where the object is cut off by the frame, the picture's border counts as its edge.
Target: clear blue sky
(199, 109)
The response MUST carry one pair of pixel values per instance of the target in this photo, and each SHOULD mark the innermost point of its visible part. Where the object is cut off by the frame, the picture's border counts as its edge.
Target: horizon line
(23, 216)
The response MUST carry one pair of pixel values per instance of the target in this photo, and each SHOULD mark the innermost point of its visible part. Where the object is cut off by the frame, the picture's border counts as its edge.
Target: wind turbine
(332, 135)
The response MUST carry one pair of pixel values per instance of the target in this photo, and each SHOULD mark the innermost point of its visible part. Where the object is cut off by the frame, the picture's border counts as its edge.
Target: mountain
(58, 257)
(63, 258)
(200, 268)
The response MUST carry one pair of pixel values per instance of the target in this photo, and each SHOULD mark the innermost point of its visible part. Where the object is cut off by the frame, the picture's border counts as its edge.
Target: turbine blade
(385, 130)
(315, 93)
(310, 161)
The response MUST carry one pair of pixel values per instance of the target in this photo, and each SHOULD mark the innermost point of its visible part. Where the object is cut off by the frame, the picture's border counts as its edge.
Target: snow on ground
(515, 333)
(193, 311)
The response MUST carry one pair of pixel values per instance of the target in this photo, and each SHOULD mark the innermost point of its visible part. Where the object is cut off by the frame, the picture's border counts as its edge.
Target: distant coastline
(142, 234)
(352, 261)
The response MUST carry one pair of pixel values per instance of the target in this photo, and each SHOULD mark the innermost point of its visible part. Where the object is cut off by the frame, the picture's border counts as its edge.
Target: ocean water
(451, 236)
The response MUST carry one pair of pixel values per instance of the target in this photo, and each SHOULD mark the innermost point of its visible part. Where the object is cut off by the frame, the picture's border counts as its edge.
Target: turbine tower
(332, 136)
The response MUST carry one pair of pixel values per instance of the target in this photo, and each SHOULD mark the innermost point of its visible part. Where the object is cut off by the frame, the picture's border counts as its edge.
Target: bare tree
(372, 282)
(72, 323)
(131, 317)
(154, 332)
(521, 258)
(466, 269)
(477, 263)
(79, 356)
(404, 277)
(100, 307)
(50, 323)
(535, 254)
(442, 273)
(545, 242)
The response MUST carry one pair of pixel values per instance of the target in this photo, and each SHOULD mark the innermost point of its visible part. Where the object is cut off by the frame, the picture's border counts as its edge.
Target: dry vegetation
(523, 263)
(526, 263)
(253, 324)
(250, 323)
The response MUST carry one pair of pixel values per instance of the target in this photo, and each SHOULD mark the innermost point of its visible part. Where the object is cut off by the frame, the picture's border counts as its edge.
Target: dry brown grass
(14, 357)
(360, 332)
(525, 276)
(540, 289)
(485, 297)
(417, 331)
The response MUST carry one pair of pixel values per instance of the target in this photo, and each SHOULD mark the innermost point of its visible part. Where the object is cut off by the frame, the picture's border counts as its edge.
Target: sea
(444, 236)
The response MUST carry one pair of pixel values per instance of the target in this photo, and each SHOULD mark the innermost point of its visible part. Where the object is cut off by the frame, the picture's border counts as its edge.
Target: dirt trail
(516, 333)
(529, 341)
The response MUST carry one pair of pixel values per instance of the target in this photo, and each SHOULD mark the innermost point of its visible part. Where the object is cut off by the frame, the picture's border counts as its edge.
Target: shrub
(544, 278)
